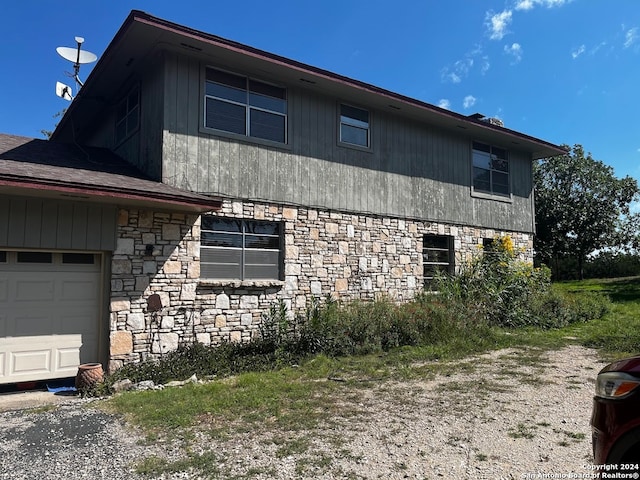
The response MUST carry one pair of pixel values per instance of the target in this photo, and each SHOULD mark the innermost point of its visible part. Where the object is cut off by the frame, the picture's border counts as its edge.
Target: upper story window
(490, 169)
(236, 249)
(244, 106)
(437, 257)
(128, 115)
(354, 126)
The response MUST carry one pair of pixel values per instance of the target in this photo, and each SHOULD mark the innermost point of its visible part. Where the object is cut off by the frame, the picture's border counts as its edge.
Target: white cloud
(597, 48)
(469, 101)
(498, 24)
(461, 68)
(444, 103)
(579, 51)
(485, 65)
(530, 4)
(525, 5)
(448, 76)
(515, 50)
(630, 37)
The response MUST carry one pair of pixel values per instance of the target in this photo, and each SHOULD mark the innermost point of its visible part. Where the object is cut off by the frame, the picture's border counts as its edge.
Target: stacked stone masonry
(343, 255)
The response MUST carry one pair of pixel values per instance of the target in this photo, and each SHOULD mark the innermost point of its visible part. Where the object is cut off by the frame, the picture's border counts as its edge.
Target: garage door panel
(68, 358)
(34, 290)
(3, 365)
(36, 361)
(39, 323)
(4, 289)
(77, 324)
(82, 290)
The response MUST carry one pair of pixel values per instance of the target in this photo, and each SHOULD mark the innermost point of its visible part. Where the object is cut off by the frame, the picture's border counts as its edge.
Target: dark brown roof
(45, 168)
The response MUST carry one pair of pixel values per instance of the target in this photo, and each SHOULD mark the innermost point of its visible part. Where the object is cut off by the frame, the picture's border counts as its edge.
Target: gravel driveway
(505, 415)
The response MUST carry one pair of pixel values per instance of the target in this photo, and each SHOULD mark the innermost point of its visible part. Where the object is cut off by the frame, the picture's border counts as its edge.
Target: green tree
(60, 114)
(580, 206)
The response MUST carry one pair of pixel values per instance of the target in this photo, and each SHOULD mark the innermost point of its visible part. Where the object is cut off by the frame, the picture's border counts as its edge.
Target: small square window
(354, 126)
(490, 169)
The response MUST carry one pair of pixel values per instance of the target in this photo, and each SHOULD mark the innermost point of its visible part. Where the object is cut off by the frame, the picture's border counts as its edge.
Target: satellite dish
(78, 57)
(64, 91)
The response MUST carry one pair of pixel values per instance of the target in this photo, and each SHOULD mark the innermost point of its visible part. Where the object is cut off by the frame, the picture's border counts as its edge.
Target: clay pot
(89, 374)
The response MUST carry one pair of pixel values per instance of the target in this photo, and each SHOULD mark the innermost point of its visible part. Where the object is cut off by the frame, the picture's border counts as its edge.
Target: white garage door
(49, 314)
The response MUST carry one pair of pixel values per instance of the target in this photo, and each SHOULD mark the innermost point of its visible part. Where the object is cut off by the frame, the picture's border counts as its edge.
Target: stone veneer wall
(326, 253)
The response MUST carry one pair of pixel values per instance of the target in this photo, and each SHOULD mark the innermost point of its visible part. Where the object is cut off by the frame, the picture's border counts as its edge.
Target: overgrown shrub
(496, 287)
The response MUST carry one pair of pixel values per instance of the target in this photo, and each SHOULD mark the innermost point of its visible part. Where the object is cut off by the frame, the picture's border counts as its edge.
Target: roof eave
(123, 196)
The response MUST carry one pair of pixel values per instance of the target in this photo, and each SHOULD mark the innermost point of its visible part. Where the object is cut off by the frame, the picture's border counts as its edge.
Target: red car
(615, 420)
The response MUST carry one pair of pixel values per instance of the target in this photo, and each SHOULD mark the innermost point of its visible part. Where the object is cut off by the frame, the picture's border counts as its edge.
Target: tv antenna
(78, 57)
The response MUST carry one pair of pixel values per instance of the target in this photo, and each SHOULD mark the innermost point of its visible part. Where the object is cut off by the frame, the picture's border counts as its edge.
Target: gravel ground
(505, 415)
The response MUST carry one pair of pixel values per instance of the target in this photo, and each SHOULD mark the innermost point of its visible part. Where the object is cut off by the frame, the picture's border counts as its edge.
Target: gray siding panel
(412, 170)
(48, 224)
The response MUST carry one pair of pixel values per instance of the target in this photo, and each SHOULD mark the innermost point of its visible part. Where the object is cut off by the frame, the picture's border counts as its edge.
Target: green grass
(283, 405)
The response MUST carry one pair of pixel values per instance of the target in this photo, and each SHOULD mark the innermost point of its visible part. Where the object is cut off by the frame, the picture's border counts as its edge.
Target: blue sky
(566, 71)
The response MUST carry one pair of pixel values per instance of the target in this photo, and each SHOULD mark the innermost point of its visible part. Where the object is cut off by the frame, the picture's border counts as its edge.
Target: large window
(490, 169)
(437, 257)
(354, 126)
(236, 249)
(128, 115)
(244, 106)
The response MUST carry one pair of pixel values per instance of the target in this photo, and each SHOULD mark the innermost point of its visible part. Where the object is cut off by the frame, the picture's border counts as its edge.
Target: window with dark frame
(3, 256)
(34, 257)
(354, 126)
(237, 249)
(490, 169)
(437, 257)
(128, 115)
(78, 258)
(244, 106)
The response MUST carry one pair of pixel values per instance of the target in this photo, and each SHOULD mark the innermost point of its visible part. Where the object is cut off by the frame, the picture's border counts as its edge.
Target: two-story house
(219, 179)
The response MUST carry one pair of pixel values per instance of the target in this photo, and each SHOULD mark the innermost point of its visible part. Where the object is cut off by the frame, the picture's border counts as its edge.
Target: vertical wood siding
(413, 170)
(49, 224)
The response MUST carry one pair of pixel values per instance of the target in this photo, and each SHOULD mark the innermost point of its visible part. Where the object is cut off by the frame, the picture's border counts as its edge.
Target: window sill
(492, 196)
(206, 282)
(353, 146)
(244, 138)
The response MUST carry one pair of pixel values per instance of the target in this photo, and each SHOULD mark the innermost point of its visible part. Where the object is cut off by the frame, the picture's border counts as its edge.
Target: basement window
(437, 257)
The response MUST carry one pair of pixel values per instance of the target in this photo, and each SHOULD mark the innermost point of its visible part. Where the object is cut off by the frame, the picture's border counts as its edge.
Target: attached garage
(61, 208)
(50, 316)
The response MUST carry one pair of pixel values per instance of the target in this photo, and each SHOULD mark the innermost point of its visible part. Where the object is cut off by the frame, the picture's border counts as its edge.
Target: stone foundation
(326, 253)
